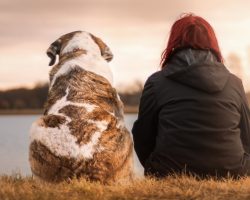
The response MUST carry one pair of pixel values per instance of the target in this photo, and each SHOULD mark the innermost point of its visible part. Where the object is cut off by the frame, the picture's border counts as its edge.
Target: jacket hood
(198, 69)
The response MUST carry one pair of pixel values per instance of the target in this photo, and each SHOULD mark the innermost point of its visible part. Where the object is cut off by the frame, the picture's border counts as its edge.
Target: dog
(82, 132)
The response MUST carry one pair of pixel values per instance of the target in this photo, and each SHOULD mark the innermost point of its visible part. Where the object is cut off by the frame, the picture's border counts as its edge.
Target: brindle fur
(53, 121)
(114, 162)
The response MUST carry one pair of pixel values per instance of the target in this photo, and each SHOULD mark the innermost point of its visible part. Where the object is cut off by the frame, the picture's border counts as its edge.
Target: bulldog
(82, 131)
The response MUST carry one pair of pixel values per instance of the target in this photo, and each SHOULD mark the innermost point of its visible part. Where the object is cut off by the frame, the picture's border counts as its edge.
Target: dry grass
(182, 187)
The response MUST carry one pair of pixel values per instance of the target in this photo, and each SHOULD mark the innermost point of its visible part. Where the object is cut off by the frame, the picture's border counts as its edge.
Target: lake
(14, 142)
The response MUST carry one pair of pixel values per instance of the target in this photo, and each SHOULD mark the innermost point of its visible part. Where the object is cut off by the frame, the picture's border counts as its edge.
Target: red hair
(191, 31)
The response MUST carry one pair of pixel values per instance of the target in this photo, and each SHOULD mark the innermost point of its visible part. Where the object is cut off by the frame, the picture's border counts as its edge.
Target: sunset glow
(136, 32)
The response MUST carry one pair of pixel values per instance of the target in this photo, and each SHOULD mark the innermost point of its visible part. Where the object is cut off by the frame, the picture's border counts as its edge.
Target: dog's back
(82, 132)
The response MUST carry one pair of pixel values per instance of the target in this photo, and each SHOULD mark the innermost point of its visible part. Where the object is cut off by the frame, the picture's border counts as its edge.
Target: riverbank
(16, 187)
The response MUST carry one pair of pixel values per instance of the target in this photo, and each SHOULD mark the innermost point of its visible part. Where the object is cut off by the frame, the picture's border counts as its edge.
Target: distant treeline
(24, 98)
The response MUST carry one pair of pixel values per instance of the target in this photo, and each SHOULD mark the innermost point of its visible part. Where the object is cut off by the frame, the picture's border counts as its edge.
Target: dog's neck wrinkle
(89, 62)
(70, 55)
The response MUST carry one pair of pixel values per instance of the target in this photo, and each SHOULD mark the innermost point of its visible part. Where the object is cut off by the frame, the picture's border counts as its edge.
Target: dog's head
(78, 40)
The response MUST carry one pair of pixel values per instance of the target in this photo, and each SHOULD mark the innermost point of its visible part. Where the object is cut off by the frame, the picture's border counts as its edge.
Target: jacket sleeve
(245, 123)
(145, 127)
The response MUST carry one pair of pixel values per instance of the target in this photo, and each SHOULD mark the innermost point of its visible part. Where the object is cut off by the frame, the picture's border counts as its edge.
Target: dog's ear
(54, 50)
(105, 50)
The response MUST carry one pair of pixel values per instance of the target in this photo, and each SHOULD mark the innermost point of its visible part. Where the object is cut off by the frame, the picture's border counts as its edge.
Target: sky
(135, 30)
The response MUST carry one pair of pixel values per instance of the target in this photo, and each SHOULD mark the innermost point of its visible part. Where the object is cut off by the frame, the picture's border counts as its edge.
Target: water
(14, 142)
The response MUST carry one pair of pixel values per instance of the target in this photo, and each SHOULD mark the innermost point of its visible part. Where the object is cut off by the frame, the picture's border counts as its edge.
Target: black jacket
(193, 116)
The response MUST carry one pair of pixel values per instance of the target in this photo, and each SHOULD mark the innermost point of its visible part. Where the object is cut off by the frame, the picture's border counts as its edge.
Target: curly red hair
(191, 31)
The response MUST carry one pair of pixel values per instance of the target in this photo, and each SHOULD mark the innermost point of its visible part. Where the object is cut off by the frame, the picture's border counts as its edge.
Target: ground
(176, 187)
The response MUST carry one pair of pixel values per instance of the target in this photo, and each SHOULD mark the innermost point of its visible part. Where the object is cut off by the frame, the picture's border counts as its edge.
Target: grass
(178, 187)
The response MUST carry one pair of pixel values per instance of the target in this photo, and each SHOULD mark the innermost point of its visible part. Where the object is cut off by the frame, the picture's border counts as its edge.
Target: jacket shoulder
(236, 83)
(235, 78)
(155, 77)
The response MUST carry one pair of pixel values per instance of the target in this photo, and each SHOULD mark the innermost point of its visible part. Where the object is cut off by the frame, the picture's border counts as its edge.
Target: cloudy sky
(135, 30)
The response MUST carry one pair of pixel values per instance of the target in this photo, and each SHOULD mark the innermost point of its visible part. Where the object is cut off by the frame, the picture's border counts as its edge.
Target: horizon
(135, 31)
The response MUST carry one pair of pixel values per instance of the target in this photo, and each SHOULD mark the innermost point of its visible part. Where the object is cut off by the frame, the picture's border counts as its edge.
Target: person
(193, 115)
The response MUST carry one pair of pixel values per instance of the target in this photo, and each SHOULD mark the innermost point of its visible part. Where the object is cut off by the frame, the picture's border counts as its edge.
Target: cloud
(22, 19)
(136, 31)
(28, 19)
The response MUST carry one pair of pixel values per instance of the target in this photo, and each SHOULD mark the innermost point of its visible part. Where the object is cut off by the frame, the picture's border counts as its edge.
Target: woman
(193, 115)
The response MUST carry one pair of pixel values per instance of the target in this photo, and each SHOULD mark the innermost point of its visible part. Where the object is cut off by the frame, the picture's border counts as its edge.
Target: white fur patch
(120, 124)
(92, 61)
(88, 107)
(82, 40)
(60, 141)
(88, 149)
(64, 102)
(101, 125)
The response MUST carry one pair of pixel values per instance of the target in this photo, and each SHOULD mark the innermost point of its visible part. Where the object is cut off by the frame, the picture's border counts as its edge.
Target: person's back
(193, 117)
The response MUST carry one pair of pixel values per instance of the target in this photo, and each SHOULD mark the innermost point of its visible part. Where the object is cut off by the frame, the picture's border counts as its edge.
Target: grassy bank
(16, 187)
